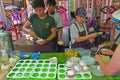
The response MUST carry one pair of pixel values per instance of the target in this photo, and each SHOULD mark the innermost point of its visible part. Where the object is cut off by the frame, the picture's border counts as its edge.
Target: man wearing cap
(78, 31)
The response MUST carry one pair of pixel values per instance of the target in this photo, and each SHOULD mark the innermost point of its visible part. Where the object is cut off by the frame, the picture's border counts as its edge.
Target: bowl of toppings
(69, 64)
(70, 73)
(71, 52)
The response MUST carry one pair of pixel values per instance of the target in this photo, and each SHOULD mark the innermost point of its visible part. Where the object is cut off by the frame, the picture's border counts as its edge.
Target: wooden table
(23, 45)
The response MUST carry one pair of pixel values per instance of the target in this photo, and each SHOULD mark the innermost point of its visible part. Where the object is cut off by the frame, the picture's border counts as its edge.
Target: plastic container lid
(96, 70)
(89, 60)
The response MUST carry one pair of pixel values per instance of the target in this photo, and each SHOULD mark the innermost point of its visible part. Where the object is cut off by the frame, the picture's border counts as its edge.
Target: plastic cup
(78, 76)
(11, 74)
(18, 65)
(86, 75)
(40, 61)
(39, 65)
(62, 66)
(44, 70)
(31, 65)
(33, 61)
(62, 75)
(29, 70)
(24, 65)
(45, 65)
(43, 75)
(52, 70)
(35, 74)
(27, 75)
(51, 74)
(19, 74)
(52, 65)
(37, 69)
(15, 69)
(27, 61)
(22, 69)
(62, 71)
(46, 61)
(21, 61)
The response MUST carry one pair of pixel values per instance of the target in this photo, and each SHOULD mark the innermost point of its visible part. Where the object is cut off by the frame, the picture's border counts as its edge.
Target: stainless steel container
(6, 44)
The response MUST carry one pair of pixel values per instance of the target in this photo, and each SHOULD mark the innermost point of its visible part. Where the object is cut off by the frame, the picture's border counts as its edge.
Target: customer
(98, 24)
(51, 5)
(43, 28)
(78, 31)
(15, 16)
(108, 29)
(113, 66)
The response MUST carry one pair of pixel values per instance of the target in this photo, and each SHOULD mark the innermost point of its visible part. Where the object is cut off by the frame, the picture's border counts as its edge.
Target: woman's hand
(106, 51)
(97, 58)
(101, 45)
(92, 40)
(92, 36)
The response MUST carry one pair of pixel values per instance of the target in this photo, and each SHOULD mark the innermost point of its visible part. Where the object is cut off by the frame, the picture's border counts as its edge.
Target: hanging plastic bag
(63, 14)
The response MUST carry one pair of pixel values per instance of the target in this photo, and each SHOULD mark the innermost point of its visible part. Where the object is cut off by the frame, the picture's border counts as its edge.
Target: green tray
(33, 70)
(79, 76)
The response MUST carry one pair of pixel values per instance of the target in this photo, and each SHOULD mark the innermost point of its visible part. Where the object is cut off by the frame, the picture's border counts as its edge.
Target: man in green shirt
(51, 4)
(44, 28)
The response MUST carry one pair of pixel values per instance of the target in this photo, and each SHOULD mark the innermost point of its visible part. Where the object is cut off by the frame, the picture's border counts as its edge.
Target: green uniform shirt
(42, 27)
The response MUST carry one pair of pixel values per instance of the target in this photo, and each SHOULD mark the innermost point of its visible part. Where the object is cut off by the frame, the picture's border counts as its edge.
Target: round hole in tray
(27, 75)
(45, 65)
(35, 74)
(18, 65)
(22, 69)
(37, 69)
(24, 65)
(29, 69)
(62, 66)
(78, 75)
(43, 75)
(33, 61)
(44, 70)
(21, 61)
(40, 61)
(27, 61)
(19, 74)
(46, 61)
(31, 65)
(61, 70)
(15, 69)
(86, 75)
(39, 65)
(52, 65)
(52, 70)
(51, 74)
(11, 74)
(62, 75)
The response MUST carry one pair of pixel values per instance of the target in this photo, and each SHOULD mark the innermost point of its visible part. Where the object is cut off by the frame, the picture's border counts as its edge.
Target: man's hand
(41, 41)
(33, 34)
